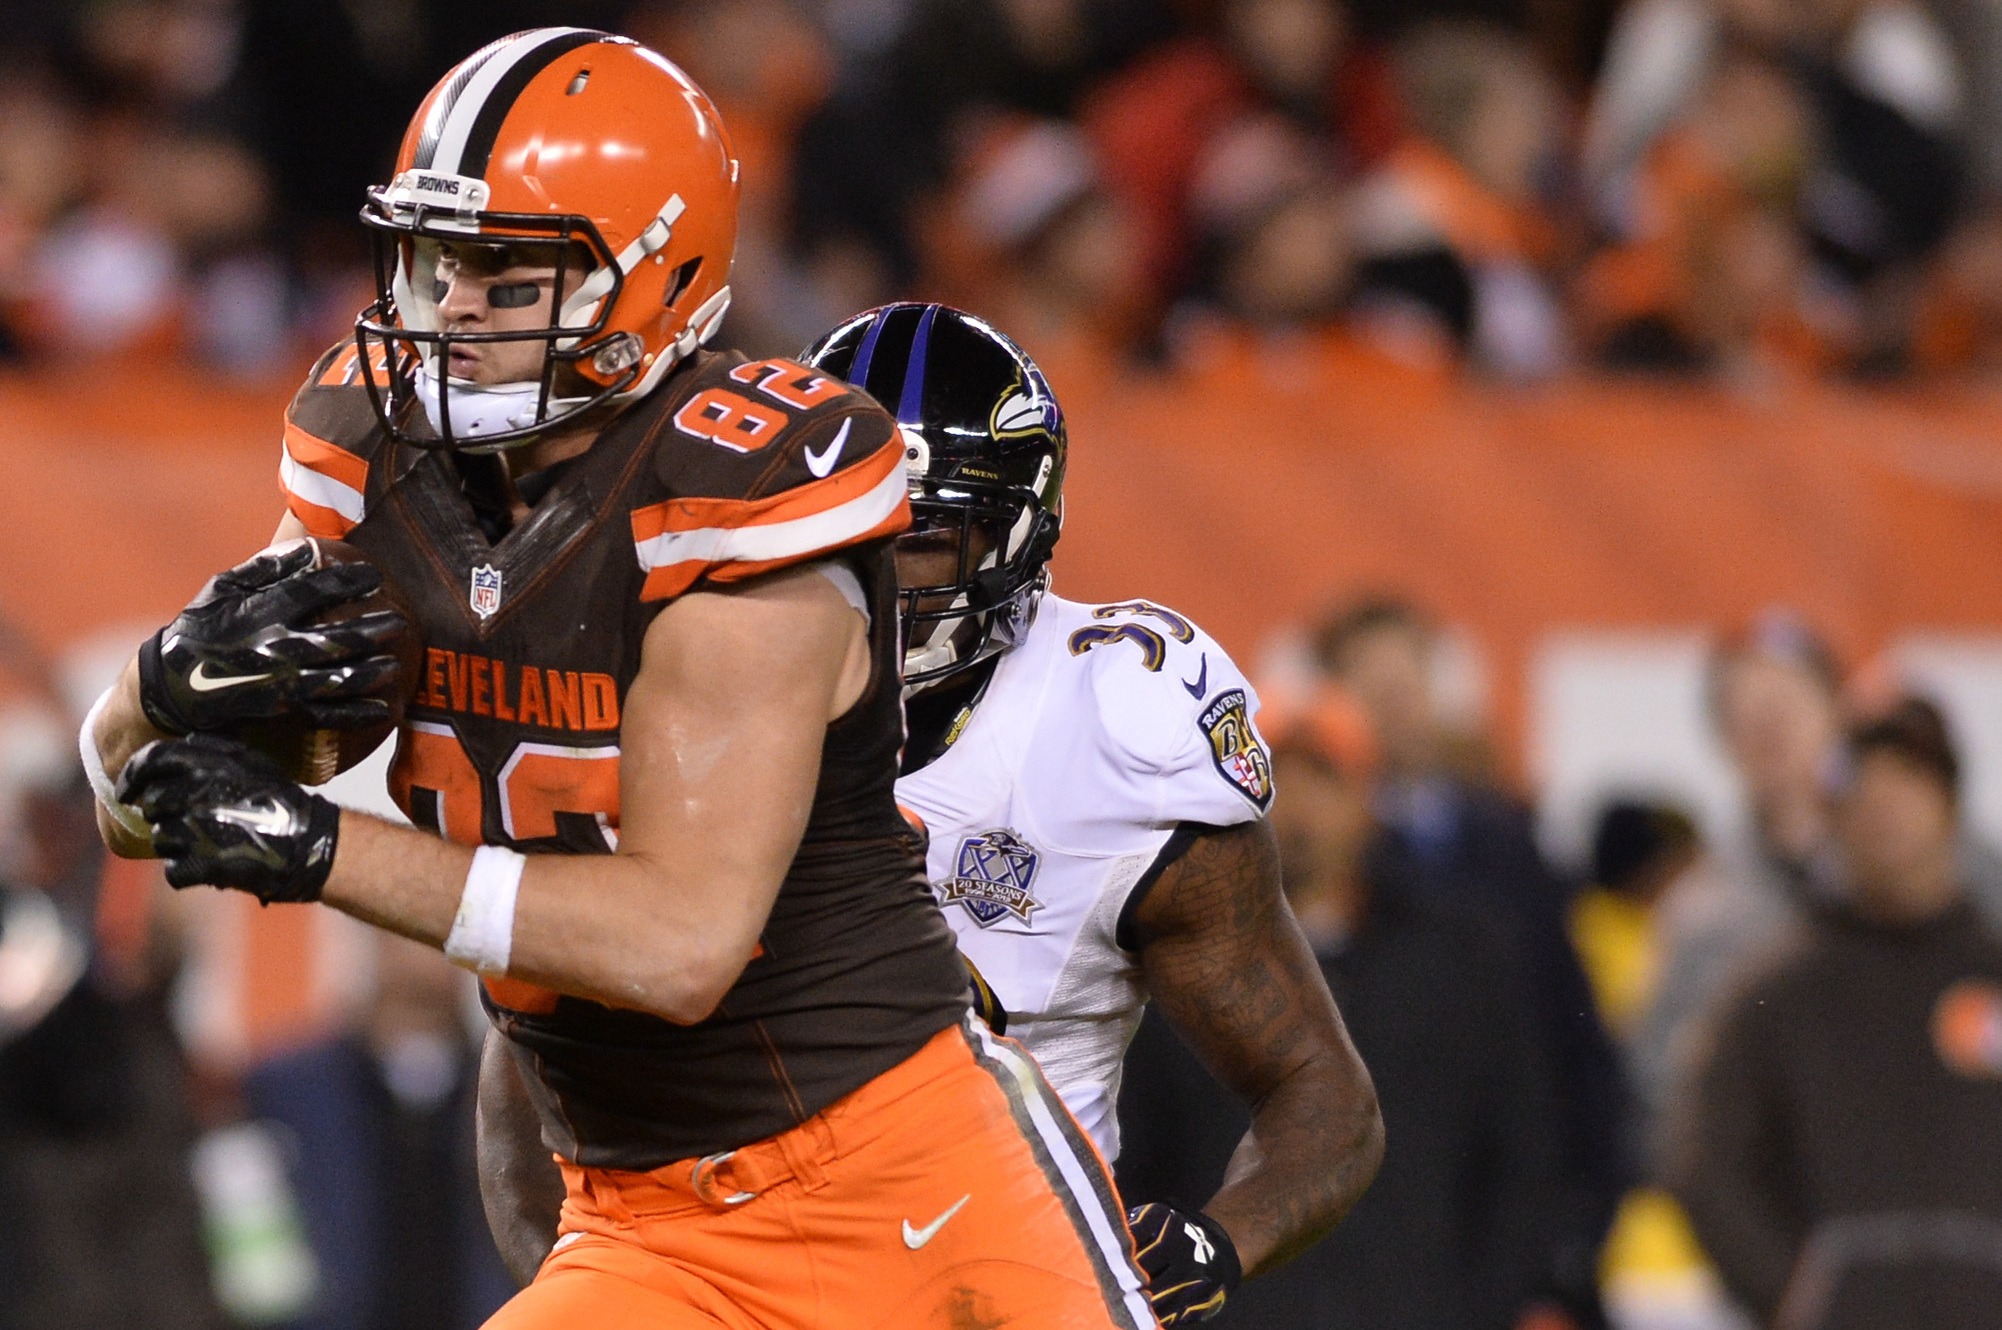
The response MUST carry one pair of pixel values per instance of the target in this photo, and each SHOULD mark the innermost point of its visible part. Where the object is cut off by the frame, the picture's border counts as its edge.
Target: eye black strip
(487, 126)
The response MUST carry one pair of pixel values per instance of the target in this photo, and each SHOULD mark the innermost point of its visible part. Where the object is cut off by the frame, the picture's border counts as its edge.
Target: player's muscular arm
(720, 740)
(519, 1182)
(1226, 963)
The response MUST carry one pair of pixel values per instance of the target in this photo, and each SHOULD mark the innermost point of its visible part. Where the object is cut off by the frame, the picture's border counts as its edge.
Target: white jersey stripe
(1108, 1230)
(322, 491)
(777, 540)
(465, 111)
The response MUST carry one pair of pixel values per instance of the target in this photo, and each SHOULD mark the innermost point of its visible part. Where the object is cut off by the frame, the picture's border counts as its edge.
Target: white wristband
(125, 815)
(482, 937)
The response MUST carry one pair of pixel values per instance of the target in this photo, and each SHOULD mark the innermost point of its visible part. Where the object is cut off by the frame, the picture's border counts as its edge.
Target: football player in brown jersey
(652, 752)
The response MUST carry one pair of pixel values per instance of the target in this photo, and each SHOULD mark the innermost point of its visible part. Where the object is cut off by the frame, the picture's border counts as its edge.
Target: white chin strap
(480, 410)
(936, 651)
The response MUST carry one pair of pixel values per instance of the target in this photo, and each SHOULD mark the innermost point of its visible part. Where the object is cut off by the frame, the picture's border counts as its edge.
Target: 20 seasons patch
(992, 878)
(1236, 749)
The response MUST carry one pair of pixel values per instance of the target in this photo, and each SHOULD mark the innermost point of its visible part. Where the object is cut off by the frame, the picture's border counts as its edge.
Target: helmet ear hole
(683, 276)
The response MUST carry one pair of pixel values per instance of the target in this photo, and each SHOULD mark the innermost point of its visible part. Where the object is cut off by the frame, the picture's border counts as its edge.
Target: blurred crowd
(1738, 188)
(1684, 1086)
(1691, 1086)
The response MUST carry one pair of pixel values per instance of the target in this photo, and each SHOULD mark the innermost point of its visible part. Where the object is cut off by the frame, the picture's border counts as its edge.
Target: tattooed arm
(1227, 965)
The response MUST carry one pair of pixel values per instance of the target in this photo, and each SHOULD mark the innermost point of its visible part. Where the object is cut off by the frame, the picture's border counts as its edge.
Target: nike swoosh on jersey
(822, 462)
(1202, 683)
(914, 1238)
(202, 681)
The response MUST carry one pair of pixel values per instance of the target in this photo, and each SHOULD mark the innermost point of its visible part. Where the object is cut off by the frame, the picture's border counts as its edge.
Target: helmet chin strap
(481, 409)
(940, 650)
(937, 651)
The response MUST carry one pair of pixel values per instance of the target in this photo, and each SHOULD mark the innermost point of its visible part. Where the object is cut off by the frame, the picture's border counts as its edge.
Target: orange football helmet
(565, 138)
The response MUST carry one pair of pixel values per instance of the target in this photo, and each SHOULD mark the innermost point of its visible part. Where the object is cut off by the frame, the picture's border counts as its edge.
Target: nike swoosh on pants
(914, 1238)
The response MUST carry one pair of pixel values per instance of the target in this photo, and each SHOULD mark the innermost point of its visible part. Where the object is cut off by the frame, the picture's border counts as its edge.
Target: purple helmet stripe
(858, 373)
(910, 405)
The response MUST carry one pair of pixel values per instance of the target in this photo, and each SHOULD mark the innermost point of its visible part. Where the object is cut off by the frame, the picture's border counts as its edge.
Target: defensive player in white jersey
(1095, 790)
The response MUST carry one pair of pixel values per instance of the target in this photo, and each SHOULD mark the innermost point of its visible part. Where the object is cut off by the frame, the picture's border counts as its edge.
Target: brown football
(314, 756)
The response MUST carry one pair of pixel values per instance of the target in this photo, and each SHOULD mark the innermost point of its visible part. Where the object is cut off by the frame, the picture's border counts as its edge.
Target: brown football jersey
(729, 469)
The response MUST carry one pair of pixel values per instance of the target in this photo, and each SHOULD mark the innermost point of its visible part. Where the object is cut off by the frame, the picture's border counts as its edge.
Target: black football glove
(246, 649)
(225, 815)
(1190, 1262)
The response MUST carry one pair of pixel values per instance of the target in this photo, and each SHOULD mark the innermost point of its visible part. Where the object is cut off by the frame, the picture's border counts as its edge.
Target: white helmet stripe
(464, 112)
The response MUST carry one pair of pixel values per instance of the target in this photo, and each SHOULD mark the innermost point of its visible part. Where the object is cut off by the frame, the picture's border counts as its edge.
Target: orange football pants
(953, 1191)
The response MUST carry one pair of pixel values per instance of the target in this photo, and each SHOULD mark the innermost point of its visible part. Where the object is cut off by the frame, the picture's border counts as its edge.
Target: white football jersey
(1105, 728)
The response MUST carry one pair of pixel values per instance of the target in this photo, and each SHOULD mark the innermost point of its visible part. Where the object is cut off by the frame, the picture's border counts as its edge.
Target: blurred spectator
(1454, 227)
(40, 146)
(1875, 176)
(1841, 1153)
(1648, 868)
(875, 156)
(1959, 323)
(1178, 117)
(1641, 855)
(1474, 847)
(103, 1229)
(1273, 259)
(1775, 700)
(381, 1121)
(1709, 267)
(1457, 1229)
(1035, 242)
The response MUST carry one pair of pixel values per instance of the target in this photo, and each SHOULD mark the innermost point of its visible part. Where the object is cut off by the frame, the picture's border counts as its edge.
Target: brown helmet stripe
(448, 97)
(486, 127)
(469, 113)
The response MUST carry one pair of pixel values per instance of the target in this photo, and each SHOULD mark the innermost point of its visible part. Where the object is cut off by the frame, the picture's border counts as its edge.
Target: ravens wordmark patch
(992, 878)
(1235, 747)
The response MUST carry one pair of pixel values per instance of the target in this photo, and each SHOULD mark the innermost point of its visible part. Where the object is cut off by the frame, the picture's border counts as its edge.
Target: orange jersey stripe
(330, 460)
(666, 583)
(800, 501)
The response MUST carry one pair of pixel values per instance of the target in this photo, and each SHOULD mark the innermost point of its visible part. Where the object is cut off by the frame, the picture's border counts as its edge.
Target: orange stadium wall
(1250, 496)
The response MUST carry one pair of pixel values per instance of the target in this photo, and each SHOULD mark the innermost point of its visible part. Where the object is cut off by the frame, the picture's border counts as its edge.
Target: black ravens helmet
(985, 449)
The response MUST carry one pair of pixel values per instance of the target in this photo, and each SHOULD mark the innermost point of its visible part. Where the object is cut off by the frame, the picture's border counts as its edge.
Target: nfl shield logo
(486, 590)
(995, 871)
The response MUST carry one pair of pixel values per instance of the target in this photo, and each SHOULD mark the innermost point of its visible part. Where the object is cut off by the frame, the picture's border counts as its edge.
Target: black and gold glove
(986, 1002)
(225, 815)
(1190, 1263)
